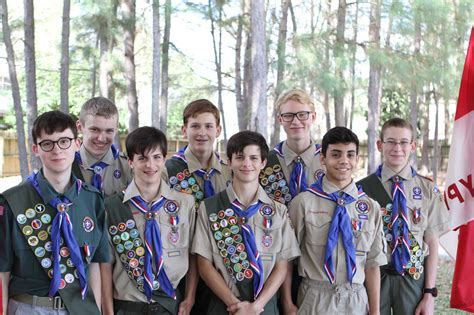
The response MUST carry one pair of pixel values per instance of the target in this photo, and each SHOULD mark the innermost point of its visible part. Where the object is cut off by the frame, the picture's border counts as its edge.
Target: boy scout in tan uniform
(129, 214)
(293, 164)
(243, 238)
(340, 274)
(407, 286)
(53, 230)
(98, 162)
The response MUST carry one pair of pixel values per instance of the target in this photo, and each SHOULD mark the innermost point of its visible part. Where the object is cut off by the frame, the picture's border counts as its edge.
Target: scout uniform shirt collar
(350, 189)
(132, 191)
(88, 159)
(307, 156)
(405, 173)
(261, 195)
(194, 164)
(48, 193)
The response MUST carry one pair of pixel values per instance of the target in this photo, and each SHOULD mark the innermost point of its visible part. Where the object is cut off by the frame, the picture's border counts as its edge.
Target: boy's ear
(34, 149)
(264, 163)
(218, 131)
(79, 126)
(379, 145)
(183, 131)
(321, 159)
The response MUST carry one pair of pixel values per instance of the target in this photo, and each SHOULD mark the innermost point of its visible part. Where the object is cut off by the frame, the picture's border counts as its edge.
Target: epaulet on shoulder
(223, 162)
(90, 188)
(123, 155)
(427, 178)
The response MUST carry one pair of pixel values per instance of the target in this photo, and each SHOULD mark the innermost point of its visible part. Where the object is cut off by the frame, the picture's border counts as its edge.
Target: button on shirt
(311, 217)
(175, 255)
(424, 198)
(312, 165)
(284, 245)
(115, 177)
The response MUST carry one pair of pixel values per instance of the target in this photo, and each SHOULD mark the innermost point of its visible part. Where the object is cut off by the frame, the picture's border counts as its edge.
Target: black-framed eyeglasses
(392, 143)
(288, 117)
(63, 143)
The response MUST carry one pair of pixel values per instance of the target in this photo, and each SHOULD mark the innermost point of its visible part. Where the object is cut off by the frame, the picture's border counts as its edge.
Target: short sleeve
(201, 242)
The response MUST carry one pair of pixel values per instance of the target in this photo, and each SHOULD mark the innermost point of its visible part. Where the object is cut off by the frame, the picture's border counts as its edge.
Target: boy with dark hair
(243, 238)
(98, 162)
(151, 228)
(339, 230)
(196, 169)
(293, 164)
(52, 230)
(414, 217)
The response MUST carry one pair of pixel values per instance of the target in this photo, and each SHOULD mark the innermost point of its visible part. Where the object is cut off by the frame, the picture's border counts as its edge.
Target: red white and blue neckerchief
(250, 244)
(340, 224)
(298, 176)
(400, 232)
(205, 175)
(62, 225)
(98, 167)
(153, 248)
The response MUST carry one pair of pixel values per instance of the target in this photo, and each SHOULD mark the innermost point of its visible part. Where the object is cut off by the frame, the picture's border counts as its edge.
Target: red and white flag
(459, 192)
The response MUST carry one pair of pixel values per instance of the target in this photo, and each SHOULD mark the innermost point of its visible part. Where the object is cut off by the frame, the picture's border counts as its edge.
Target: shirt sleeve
(6, 244)
(377, 256)
(202, 243)
(102, 253)
(438, 217)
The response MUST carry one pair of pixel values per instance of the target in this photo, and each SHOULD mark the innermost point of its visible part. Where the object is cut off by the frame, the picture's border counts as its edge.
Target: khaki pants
(20, 308)
(320, 297)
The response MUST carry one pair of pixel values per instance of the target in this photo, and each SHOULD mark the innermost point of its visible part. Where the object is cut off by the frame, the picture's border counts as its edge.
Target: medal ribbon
(154, 248)
(340, 224)
(62, 223)
(250, 244)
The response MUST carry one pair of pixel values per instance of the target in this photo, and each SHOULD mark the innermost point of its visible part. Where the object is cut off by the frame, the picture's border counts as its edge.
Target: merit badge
(88, 224)
(221, 214)
(64, 252)
(133, 263)
(140, 251)
(62, 284)
(192, 181)
(171, 207)
(224, 223)
(21, 218)
(27, 230)
(30, 213)
(130, 224)
(69, 277)
(137, 242)
(267, 240)
(184, 184)
(134, 233)
(248, 273)
(130, 254)
(362, 206)
(231, 249)
(416, 215)
(40, 251)
(243, 257)
(36, 224)
(180, 176)
(117, 174)
(125, 236)
(46, 263)
(45, 218)
(113, 230)
(229, 212)
(213, 217)
(120, 249)
(417, 193)
(40, 208)
(229, 240)
(220, 244)
(266, 211)
(173, 237)
(173, 180)
(226, 232)
(121, 227)
(48, 246)
(215, 226)
(218, 235)
(317, 174)
(232, 220)
(43, 235)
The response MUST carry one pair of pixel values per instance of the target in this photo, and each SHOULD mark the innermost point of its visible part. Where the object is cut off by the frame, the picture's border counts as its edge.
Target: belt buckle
(58, 303)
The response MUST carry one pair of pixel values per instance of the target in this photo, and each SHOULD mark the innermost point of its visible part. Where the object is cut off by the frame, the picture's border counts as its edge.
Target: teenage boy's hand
(426, 305)
(289, 309)
(185, 307)
(244, 308)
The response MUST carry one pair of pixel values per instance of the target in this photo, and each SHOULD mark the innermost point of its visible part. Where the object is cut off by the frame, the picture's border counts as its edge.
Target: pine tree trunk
(65, 57)
(20, 129)
(339, 56)
(353, 62)
(238, 73)
(164, 68)
(414, 89)
(155, 86)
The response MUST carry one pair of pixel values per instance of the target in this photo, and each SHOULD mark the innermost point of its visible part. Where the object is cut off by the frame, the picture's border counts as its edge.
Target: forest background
(361, 61)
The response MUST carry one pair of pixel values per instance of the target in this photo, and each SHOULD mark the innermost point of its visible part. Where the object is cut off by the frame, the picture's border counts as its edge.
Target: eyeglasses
(63, 143)
(288, 117)
(403, 144)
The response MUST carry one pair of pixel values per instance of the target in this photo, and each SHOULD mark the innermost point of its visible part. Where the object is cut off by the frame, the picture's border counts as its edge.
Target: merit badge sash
(182, 180)
(273, 180)
(34, 219)
(128, 243)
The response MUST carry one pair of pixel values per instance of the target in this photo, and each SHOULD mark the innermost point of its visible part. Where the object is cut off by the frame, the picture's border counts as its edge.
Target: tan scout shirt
(313, 166)
(219, 179)
(175, 255)
(284, 245)
(421, 193)
(115, 177)
(311, 216)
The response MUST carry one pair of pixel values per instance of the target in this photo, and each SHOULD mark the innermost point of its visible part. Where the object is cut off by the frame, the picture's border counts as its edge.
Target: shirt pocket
(317, 228)
(174, 236)
(418, 218)
(269, 241)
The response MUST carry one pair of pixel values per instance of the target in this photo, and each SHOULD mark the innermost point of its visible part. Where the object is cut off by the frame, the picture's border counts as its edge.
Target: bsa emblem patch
(417, 193)
(117, 174)
(171, 207)
(362, 206)
(267, 211)
(318, 174)
(88, 224)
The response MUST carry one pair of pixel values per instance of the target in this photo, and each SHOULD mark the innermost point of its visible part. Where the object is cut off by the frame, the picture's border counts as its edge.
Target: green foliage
(394, 103)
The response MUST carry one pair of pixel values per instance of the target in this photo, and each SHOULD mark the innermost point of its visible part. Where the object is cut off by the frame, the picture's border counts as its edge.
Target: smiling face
(340, 161)
(201, 132)
(396, 147)
(296, 129)
(147, 168)
(246, 165)
(98, 133)
(57, 161)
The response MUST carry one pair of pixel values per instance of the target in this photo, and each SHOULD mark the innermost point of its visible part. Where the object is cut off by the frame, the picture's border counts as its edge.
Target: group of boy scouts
(260, 231)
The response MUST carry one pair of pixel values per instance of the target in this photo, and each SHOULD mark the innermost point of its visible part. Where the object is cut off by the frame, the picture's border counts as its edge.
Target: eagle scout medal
(87, 252)
(416, 212)
(173, 237)
(267, 240)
